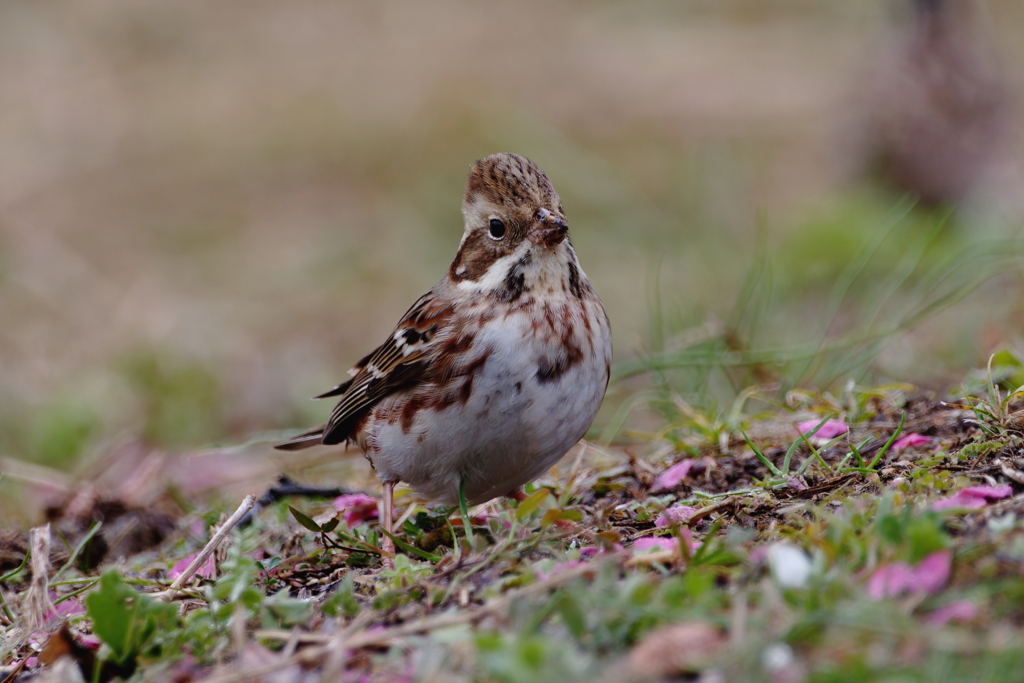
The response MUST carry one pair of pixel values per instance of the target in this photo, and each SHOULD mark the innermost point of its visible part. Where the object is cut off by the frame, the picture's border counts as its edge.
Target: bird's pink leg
(387, 545)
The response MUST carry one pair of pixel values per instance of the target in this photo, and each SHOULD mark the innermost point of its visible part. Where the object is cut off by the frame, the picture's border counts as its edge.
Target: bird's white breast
(524, 411)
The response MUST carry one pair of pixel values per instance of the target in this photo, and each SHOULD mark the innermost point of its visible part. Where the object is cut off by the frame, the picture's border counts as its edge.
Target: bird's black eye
(497, 229)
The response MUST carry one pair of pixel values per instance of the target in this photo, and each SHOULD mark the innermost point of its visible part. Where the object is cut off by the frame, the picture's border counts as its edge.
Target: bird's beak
(548, 228)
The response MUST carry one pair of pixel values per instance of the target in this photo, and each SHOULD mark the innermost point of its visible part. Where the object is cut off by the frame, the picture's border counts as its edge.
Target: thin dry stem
(37, 600)
(232, 521)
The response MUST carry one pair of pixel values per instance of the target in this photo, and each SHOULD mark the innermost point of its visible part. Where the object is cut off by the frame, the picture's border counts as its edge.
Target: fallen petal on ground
(205, 570)
(960, 610)
(358, 507)
(674, 515)
(671, 477)
(933, 571)
(890, 580)
(973, 497)
(912, 439)
(655, 543)
(829, 430)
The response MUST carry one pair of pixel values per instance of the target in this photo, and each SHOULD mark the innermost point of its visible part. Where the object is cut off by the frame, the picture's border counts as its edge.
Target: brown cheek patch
(474, 258)
(479, 252)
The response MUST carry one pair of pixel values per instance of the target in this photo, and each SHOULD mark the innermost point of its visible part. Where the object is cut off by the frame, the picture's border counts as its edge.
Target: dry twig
(173, 590)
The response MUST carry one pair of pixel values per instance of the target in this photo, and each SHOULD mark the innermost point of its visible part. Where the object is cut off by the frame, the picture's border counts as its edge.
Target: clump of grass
(903, 274)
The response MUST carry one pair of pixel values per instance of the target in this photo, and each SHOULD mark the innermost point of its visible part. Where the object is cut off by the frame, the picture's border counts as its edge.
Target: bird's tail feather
(313, 437)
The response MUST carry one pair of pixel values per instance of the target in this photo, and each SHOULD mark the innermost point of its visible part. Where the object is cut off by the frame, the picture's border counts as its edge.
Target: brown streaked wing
(343, 387)
(389, 368)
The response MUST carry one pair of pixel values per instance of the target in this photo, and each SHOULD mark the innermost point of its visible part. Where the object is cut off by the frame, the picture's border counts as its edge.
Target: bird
(497, 371)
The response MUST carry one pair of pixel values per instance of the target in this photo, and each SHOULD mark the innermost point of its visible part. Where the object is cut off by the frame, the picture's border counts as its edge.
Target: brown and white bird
(492, 375)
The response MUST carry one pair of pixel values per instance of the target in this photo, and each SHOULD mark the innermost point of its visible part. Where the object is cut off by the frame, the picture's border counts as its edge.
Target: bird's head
(512, 213)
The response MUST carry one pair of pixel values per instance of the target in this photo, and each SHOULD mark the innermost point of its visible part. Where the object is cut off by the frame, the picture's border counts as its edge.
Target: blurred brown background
(209, 210)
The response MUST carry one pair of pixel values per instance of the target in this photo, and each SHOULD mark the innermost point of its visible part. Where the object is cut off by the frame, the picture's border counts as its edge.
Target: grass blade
(890, 442)
(78, 549)
(467, 523)
(764, 461)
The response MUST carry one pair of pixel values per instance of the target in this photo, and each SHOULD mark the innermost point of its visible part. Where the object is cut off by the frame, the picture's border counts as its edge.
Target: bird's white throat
(532, 268)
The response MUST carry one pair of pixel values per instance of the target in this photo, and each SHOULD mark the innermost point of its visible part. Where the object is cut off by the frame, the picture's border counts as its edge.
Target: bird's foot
(388, 558)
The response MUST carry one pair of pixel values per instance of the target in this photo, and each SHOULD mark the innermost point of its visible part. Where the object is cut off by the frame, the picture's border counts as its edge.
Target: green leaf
(573, 616)
(532, 503)
(926, 535)
(358, 542)
(238, 582)
(330, 525)
(125, 619)
(305, 521)
(411, 548)
(343, 602)
(282, 611)
(268, 564)
(572, 515)
(550, 517)
(890, 529)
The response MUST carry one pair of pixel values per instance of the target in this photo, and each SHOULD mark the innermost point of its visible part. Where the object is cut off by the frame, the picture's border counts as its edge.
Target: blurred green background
(208, 211)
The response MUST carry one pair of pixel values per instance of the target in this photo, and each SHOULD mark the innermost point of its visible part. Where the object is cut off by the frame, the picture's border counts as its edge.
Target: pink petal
(890, 580)
(88, 640)
(912, 439)
(559, 568)
(590, 551)
(759, 554)
(933, 571)
(356, 516)
(688, 537)
(205, 570)
(960, 610)
(829, 430)
(655, 542)
(973, 497)
(958, 501)
(666, 542)
(350, 500)
(358, 507)
(671, 477)
(675, 514)
(31, 662)
(989, 492)
(65, 609)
